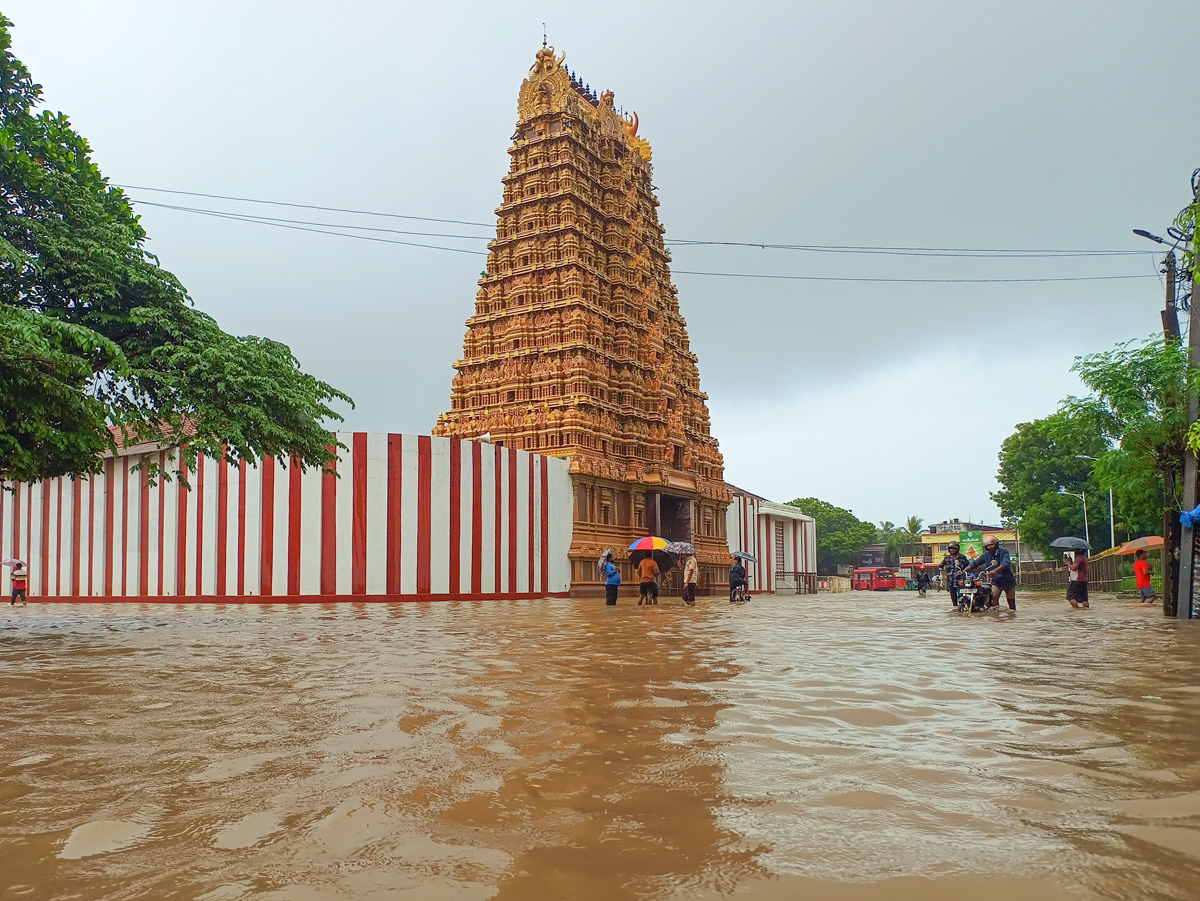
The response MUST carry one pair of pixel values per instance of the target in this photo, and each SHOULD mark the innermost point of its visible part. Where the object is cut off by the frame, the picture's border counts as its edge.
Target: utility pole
(1170, 315)
(1171, 525)
(1187, 539)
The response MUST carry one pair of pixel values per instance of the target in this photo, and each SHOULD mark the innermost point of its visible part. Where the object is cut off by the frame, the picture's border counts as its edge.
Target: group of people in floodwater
(995, 564)
(648, 575)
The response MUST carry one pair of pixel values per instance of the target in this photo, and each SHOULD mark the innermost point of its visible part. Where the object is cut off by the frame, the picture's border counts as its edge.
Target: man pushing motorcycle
(953, 563)
(996, 564)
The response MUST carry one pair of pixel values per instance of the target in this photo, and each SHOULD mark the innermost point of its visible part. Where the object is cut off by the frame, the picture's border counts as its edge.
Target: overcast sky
(919, 124)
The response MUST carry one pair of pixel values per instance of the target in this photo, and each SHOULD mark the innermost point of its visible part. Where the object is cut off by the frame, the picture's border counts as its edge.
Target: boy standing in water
(648, 588)
(1077, 581)
(20, 579)
(1143, 572)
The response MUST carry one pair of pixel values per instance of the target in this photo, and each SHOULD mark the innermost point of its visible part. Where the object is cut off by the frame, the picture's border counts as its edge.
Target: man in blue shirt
(996, 563)
(612, 581)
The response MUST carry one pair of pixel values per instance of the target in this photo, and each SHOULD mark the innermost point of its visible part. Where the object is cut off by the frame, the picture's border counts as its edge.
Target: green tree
(93, 333)
(1138, 405)
(914, 525)
(1038, 459)
(840, 534)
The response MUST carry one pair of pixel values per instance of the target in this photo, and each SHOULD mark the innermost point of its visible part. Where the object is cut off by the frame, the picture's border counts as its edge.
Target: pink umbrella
(12, 561)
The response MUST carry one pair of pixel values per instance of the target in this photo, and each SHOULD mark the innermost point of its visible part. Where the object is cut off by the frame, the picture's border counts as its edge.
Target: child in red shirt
(19, 581)
(1143, 572)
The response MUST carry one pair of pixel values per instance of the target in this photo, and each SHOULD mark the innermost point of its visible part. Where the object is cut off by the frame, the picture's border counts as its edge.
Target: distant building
(941, 535)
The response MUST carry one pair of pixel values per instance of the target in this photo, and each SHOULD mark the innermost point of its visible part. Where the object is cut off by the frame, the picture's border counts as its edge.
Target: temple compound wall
(783, 539)
(407, 517)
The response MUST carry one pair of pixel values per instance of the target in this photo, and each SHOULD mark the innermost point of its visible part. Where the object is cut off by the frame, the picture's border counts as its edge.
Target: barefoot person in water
(20, 582)
(1077, 581)
(1143, 572)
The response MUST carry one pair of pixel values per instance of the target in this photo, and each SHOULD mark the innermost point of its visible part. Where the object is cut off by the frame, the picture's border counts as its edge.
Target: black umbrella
(1070, 543)
(664, 560)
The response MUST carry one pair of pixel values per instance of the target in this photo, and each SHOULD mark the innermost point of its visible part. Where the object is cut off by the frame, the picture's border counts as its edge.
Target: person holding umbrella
(20, 581)
(612, 578)
(1077, 581)
(737, 577)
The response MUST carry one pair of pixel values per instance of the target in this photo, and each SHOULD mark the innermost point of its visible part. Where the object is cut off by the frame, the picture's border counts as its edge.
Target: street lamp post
(1087, 536)
(1112, 527)
(1181, 592)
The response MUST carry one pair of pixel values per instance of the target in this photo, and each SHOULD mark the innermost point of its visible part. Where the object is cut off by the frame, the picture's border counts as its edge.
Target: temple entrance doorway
(669, 516)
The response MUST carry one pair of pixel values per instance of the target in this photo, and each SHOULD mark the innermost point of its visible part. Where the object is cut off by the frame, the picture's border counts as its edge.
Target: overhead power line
(960, 252)
(308, 206)
(998, 252)
(345, 230)
(968, 281)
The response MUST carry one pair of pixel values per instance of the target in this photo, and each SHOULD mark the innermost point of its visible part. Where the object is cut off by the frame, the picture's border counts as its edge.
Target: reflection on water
(849, 747)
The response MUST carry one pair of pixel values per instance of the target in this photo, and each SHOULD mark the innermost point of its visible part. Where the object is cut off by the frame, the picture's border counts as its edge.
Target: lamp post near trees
(1112, 528)
(1087, 536)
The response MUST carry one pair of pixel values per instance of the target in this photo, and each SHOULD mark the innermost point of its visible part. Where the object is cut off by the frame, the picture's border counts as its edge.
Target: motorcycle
(974, 592)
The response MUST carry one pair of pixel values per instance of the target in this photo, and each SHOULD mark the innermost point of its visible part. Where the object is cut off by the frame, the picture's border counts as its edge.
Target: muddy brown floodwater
(845, 747)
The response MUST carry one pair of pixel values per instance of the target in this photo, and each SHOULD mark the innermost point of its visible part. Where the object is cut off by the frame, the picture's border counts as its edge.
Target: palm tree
(914, 525)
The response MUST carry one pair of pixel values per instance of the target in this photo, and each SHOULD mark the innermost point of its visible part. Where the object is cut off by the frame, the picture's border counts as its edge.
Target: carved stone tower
(577, 347)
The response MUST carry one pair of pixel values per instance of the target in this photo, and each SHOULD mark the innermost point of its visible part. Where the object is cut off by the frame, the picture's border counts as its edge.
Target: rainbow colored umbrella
(649, 543)
(652, 546)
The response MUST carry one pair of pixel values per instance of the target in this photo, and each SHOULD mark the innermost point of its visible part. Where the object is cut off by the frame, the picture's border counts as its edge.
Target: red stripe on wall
(476, 517)
(358, 549)
(200, 467)
(512, 520)
(455, 513)
(16, 545)
(545, 467)
(181, 541)
(58, 530)
(395, 484)
(241, 538)
(293, 586)
(110, 478)
(424, 511)
(329, 526)
(499, 498)
(222, 521)
(144, 533)
(43, 529)
(28, 558)
(125, 492)
(266, 553)
(532, 584)
(796, 551)
(162, 519)
(76, 533)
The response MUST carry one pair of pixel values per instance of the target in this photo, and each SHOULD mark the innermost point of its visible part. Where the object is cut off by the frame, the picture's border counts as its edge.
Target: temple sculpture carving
(577, 347)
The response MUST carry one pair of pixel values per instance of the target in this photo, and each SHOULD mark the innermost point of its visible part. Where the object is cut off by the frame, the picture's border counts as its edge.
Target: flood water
(850, 746)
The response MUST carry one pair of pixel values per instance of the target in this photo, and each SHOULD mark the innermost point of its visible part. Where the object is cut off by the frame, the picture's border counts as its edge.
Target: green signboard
(971, 544)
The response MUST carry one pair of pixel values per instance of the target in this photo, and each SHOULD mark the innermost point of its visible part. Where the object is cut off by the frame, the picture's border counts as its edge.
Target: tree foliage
(840, 534)
(1139, 406)
(1038, 459)
(94, 333)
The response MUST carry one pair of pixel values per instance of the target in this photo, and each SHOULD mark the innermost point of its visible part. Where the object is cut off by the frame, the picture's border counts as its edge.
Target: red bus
(874, 578)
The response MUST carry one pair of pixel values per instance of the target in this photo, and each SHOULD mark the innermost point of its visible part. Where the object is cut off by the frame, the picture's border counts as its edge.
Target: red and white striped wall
(783, 539)
(407, 517)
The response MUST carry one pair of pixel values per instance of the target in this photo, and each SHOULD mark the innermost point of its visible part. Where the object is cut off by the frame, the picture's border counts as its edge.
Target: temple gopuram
(577, 347)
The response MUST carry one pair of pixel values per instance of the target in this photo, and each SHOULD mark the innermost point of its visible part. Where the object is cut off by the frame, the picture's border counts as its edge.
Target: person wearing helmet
(952, 564)
(996, 564)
